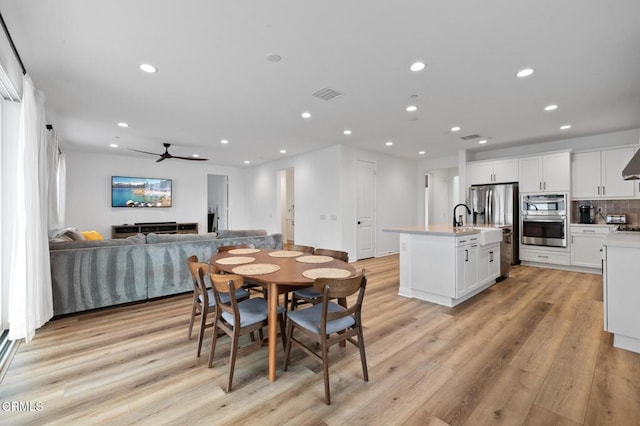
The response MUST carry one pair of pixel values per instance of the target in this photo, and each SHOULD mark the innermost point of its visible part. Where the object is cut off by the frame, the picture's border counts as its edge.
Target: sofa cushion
(233, 233)
(173, 238)
(137, 239)
(68, 245)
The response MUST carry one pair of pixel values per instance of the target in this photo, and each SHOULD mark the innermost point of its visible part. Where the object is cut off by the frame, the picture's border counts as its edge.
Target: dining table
(279, 271)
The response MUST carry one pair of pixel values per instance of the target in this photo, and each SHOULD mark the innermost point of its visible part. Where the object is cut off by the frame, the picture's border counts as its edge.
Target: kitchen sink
(489, 235)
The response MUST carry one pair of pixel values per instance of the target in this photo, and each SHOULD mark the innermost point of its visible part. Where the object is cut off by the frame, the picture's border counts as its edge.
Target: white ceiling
(214, 80)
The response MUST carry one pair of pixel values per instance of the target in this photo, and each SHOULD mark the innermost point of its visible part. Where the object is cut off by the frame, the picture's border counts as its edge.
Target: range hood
(632, 170)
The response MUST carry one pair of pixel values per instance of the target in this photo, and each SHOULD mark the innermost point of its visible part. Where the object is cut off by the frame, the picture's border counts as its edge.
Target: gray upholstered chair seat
(251, 311)
(240, 294)
(308, 293)
(310, 318)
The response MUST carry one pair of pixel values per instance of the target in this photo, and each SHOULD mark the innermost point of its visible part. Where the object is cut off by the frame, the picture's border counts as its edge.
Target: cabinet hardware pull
(490, 256)
(540, 185)
(588, 230)
(572, 239)
(598, 190)
(545, 186)
(543, 257)
(466, 254)
(602, 189)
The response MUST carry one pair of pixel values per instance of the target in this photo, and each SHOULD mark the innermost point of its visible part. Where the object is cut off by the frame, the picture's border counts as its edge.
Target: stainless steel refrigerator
(498, 205)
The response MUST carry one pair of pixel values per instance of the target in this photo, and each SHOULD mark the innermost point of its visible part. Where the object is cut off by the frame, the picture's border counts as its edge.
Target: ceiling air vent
(470, 137)
(326, 94)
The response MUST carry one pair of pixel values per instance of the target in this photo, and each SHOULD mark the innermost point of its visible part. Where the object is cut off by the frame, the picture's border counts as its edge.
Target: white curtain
(57, 179)
(30, 297)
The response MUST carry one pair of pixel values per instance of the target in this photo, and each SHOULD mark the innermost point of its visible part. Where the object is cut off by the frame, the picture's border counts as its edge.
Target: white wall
(89, 191)
(325, 187)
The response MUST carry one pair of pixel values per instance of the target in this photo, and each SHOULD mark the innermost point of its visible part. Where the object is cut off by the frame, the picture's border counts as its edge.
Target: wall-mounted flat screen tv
(140, 192)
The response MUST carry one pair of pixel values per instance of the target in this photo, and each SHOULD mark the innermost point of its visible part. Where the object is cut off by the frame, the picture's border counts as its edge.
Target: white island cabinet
(446, 265)
(621, 292)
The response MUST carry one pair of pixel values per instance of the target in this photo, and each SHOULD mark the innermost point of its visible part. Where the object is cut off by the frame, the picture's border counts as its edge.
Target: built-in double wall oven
(543, 220)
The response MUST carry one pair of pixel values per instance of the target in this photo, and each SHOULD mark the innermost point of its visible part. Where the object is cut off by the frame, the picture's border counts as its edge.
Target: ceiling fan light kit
(165, 155)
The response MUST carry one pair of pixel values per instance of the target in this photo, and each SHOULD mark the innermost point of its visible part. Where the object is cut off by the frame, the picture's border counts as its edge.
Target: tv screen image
(140, 192)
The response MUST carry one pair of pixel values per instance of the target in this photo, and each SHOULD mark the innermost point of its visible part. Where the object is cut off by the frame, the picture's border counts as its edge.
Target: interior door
(365, 209)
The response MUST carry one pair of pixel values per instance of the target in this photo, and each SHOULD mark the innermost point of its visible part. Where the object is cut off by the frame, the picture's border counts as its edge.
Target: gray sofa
(95, 274)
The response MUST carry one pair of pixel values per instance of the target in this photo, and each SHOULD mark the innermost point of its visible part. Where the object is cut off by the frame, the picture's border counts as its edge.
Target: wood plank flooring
(528, 351)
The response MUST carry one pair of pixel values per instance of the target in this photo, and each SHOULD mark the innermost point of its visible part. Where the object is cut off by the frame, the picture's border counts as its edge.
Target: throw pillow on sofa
(92, 235)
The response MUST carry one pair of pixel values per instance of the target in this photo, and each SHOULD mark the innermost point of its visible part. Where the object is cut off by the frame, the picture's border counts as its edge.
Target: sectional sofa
(99, 273)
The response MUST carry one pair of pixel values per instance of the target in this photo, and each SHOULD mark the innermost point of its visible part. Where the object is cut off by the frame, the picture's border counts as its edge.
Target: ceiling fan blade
(144, 152)
(189, 158)
(160, 159)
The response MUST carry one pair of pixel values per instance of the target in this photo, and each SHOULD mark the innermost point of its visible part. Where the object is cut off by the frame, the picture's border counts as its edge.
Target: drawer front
(467, 239)
(555, 258)
(590, 230)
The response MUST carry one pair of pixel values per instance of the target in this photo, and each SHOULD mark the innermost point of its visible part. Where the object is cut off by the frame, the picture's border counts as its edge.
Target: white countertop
(440, 229)
(597, 225)
(623, 239)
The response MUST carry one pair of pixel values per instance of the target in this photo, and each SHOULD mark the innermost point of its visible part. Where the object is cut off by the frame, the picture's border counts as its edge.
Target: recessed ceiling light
(274, 57)
(421, 152)
(247, 162)
(195, 155)
(525, 72)
(565, 127)
(113, 145)
(483, 141)
(551, 107)
(148, 68)
(306, 115)
(417, 66)
(224, 141)
(283, 151)
(412, 108)
(388, 143)
(347, 132)
(455, 129)
(123, 124)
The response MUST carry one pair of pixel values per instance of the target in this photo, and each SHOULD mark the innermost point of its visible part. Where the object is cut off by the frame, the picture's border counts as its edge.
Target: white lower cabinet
(488, 263)
(621, 291)
(586, 245)
(466, 268)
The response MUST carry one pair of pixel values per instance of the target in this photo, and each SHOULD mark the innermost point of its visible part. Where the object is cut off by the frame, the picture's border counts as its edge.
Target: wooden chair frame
(228, 284)
(333, 288)
(299, 297)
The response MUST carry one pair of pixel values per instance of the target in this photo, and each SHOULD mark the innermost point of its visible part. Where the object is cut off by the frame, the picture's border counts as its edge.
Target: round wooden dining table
(288, 277)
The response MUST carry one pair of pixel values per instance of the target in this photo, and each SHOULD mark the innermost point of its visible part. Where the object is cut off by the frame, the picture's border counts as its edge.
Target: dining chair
(328, 323)
(248, 285)
(298, 247)
(237, 318)
(310, 294)
(203, 300)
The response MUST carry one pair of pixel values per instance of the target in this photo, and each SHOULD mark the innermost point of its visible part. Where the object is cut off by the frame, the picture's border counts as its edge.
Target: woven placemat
(285, 253)
(314, 259)
(312, 274)
(244, 251)
(256, 269)
(235, 260)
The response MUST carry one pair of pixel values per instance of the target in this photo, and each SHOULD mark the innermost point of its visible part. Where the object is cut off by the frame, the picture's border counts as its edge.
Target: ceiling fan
(166, 154)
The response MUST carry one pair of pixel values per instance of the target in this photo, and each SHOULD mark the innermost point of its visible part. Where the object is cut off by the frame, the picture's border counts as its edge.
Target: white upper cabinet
(545, 173)
(598, 174)
(498, 171)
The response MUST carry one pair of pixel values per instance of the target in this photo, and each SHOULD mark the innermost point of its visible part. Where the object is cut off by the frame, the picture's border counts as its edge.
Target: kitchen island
(621, 291)
(447, 265)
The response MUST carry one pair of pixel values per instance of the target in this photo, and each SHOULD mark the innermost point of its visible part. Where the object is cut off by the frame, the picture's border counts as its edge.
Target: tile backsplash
(629, 207)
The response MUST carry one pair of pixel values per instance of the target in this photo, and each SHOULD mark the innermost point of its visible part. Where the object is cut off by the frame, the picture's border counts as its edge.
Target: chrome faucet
(459, 223)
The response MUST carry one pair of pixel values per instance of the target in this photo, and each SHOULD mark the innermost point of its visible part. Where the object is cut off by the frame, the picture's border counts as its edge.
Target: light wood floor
(530, 350)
